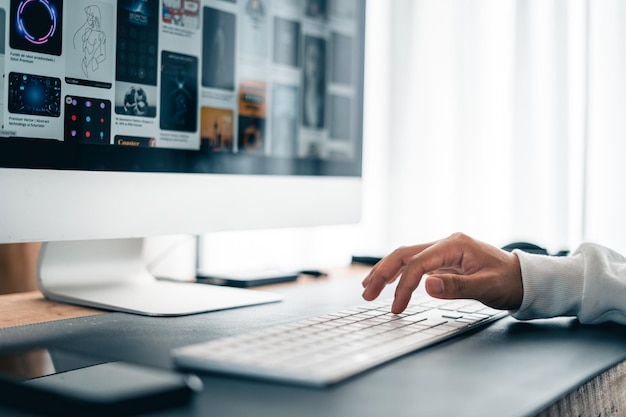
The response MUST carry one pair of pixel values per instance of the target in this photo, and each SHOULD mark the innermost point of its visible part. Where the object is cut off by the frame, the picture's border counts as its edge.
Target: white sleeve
(589, 284)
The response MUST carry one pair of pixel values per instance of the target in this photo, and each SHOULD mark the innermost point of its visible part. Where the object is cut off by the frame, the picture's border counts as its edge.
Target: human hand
(457, 267)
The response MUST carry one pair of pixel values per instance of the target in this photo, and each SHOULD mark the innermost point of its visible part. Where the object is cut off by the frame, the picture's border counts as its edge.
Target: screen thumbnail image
(137, 41)
(179, 92)
(340, 117)
(314, 82)
(183, 13)
(254, 28)
(135, 100)
(252, 114)
(341, 60)
(251, 134)
(35, 95)
(218, 49)
(286, 42)
(37, 26)
(89, 56)
(2, 30)
(135, 141)
(87, 120)
(285, 107)
(216, 129)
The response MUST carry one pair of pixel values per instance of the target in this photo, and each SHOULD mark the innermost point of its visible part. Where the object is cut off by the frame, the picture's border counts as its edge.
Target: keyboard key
(451, 315)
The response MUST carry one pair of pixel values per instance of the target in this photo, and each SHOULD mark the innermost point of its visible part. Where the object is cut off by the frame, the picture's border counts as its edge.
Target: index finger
(442, 254)
(388, 269)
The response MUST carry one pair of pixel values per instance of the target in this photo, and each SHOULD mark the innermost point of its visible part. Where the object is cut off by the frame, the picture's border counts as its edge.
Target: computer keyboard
(329, 348)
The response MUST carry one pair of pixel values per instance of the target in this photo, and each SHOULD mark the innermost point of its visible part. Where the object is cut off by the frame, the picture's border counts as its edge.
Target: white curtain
(605, 209)
(488, 121)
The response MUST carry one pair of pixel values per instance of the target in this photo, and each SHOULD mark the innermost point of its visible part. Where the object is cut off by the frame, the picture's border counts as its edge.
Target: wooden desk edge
(32, 307)
(602, 396)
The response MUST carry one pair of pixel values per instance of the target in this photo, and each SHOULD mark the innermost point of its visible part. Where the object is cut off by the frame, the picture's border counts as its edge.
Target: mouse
(526, 247)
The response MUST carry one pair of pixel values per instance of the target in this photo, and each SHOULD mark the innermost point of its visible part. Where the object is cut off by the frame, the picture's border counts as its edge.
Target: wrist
(551, 286)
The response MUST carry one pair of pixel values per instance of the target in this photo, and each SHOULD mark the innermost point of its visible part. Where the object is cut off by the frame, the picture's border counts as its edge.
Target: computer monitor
(122, 119)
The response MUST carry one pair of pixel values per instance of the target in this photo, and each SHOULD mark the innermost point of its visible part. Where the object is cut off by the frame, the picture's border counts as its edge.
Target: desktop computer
(122, 119)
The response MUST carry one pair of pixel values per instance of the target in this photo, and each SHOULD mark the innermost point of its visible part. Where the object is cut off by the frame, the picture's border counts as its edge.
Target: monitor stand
(111, 274)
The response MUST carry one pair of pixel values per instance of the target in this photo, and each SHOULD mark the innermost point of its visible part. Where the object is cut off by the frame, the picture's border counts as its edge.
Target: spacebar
(402, 344)
(382, 352)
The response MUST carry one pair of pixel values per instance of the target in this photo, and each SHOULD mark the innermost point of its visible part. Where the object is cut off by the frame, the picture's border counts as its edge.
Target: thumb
(449, 286)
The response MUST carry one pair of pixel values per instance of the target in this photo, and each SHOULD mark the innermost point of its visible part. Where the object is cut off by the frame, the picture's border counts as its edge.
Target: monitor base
(111, 274)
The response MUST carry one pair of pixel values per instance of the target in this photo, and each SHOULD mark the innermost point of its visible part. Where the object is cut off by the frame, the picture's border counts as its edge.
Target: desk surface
(509, 368)
(31, 307)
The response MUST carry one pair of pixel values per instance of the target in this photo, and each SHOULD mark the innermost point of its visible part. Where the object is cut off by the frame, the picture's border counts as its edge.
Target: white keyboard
(326, 349)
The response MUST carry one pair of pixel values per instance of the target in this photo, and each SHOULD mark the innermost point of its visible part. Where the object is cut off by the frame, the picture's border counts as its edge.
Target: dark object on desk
(246, 280)
(366, 259)
(531, 248)
(315, 273)
(61, 383)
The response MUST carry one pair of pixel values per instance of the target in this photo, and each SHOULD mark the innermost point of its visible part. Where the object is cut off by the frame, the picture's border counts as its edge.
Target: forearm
(589, 284)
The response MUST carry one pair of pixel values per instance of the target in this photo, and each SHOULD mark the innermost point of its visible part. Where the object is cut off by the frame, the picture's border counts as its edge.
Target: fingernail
(435, 285)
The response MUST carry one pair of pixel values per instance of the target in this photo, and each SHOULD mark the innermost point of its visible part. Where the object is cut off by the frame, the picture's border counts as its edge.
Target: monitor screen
(188, 86)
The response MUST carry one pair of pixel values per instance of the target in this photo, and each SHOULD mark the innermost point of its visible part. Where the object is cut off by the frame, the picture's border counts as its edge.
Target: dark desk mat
(509, 368)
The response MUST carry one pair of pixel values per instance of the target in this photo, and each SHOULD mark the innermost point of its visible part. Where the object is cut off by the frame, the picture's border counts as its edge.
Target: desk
(543, 368)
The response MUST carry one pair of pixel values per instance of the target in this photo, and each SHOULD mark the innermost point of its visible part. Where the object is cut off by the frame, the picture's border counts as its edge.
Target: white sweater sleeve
(589, 284)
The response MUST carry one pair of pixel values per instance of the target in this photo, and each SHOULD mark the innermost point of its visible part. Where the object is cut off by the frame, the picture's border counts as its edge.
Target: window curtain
(605, 203)
(487, 131)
